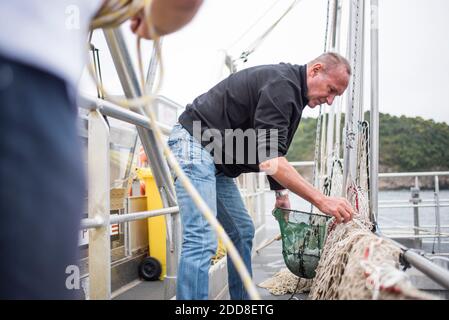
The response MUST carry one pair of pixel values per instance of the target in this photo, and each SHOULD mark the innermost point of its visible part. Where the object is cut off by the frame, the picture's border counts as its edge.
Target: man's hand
(167, 16)
(282, 202)
(340, 208)
(283, 172)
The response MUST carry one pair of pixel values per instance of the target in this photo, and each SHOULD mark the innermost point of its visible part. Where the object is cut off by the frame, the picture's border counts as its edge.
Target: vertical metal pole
(354, 104)
(151, 76)
(323, 164)
(245, 187)
(161, 172)
(127, 184)
(98, 207)
(338, 14)
(328, 129)
(338, 129)
(127, 224)
(334, 26)
(330, 138)
(416, 200)
(338, 104)
(437, 211)
(316, 158)
(374, 113)
(253, 196)
(262, 195)
(152, 69)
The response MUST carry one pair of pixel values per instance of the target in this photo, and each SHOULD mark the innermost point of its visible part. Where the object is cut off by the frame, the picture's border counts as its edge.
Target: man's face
(323, 87)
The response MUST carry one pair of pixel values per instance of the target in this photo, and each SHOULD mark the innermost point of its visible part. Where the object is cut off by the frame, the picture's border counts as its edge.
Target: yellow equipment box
(157, 231)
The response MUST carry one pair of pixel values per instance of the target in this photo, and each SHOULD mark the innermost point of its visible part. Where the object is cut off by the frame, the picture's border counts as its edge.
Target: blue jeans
(199, 242)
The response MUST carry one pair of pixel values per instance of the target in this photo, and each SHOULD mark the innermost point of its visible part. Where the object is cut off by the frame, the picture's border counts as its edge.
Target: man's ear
(316, 69)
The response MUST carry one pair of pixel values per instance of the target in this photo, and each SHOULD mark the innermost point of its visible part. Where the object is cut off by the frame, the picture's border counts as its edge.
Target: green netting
(303, 235)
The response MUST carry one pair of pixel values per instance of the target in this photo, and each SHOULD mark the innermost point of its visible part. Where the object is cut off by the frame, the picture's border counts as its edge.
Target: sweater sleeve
(272, 119)
(274, 185)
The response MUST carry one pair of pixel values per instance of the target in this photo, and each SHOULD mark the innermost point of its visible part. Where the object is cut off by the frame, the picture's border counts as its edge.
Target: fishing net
(285, 282)
(336, 179)
(346, 261)
(303, 235)
(357, 264)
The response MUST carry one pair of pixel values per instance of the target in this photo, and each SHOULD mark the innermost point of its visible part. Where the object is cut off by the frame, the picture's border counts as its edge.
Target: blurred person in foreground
(42, 178)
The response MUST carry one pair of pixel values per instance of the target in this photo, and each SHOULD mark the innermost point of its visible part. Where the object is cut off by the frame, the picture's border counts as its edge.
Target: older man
(246, 124)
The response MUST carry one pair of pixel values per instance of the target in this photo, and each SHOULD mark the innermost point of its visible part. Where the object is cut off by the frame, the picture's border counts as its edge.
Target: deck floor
(265, 264)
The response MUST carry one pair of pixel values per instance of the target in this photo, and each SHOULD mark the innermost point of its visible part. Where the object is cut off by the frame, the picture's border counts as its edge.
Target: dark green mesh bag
(303, 235)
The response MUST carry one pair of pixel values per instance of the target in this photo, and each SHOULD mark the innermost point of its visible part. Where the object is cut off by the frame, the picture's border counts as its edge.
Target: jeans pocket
(194, 160)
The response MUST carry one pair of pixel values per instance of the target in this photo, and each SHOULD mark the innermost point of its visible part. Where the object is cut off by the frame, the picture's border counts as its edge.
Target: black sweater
(262, 97)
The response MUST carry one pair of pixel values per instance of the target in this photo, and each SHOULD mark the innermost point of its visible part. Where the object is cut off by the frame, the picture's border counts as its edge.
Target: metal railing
(437, 202)
(417, 231)
(98, 222)
(112, 110)
(99, 219)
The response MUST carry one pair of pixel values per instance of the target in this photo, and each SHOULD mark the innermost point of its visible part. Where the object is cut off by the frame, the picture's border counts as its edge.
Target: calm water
(404, 216)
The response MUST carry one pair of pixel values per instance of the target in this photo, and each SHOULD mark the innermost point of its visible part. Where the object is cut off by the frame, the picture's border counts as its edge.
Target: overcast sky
(413, 49)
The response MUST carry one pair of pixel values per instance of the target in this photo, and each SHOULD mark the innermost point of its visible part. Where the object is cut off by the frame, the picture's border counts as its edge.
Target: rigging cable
(253, 25)
(256, 43)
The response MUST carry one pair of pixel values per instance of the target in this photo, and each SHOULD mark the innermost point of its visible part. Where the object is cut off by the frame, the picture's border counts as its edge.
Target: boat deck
(266, 263)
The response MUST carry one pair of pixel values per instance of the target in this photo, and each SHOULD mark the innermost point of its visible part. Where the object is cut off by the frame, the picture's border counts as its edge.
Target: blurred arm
(167, 16)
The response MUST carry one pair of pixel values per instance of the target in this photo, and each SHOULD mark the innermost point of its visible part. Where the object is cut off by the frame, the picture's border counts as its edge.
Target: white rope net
(357, 264)
(285, 282)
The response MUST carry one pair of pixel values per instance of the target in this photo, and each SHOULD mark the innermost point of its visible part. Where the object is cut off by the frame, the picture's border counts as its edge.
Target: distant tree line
(406, 144)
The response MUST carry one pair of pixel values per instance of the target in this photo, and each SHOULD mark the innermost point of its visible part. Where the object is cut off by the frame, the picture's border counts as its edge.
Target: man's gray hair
(331, 60)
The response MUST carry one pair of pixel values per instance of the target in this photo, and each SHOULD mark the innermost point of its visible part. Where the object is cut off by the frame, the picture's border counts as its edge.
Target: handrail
(97, 223)
(423, 264)
(413, 174)
(385, 174)
(110, 109)
(429, 268)
(302, 163)
(408, 201)
(168, 102)
(392, 206)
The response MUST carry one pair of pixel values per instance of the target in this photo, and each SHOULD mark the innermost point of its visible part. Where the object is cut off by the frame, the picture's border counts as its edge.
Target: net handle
(304, 212)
